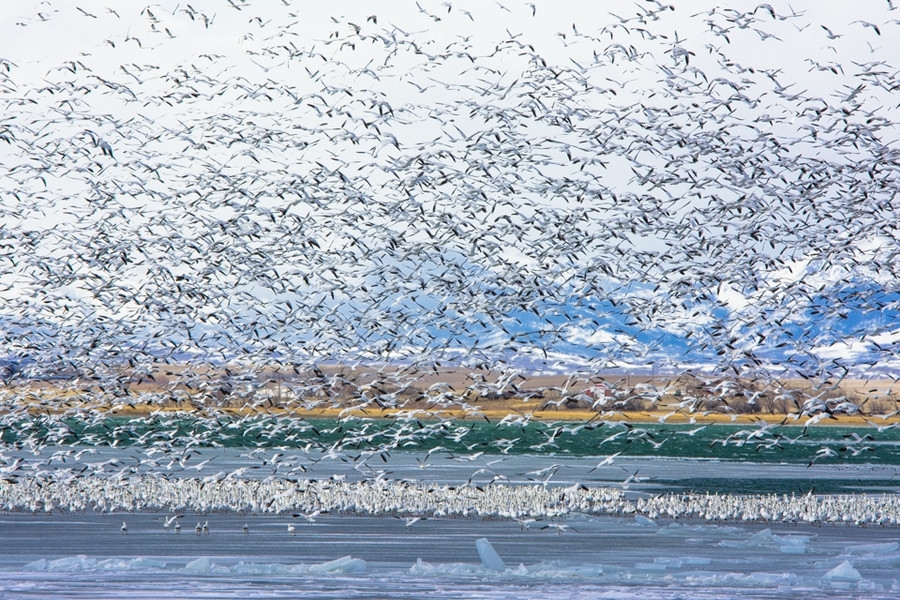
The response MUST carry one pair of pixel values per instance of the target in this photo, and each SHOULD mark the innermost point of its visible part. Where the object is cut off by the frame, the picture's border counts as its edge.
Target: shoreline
(339, 392)
(512, 414)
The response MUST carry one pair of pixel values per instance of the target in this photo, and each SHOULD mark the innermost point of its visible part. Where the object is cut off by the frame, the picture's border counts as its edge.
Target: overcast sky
(427, 170)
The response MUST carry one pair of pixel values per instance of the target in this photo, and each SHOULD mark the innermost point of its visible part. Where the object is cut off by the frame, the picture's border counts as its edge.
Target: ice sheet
(619, 556)
(489, 557)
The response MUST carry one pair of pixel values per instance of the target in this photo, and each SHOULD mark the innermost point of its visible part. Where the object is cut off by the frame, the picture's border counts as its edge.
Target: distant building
(599, 391)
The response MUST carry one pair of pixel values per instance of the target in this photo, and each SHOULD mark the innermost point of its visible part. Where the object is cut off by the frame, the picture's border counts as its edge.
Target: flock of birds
(618, 193)
(411, 501)
(207, 184)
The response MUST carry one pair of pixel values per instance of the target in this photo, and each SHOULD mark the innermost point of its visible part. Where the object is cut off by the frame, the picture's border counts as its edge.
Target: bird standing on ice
(168, 522)
(124, 528)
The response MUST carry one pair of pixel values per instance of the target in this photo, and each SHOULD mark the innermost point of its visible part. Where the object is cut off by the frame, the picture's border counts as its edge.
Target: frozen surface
(489, 557)
(86, 556)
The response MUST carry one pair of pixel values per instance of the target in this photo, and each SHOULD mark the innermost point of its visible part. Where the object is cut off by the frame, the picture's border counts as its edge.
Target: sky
(554, 186)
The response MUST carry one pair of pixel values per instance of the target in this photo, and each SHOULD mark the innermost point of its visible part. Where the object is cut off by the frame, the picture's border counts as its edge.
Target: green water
(762, 485)
(779, 443)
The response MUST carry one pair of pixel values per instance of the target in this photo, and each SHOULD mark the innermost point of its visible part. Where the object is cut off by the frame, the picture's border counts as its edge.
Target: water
(62, 555)
(755, 442)
(56, 553)
(597, 557)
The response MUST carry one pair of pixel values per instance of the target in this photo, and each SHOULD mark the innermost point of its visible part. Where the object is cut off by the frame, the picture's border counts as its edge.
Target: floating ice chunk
(868, 586)
(113, 564)
(72, 563)
(122, 564)
(745, 580)
(555, 571)
(793, 539)
(791, 544)
(660, 563)
(644, 521)
(537, 572)
(672, 563)
(885, 548)
(37, 565)
(423, 568)
(761, 538)
(768, 579)
(843, 572)
(243, 568)
(841, 585)
(345, 564)
(489, 557)
(716, 531)
(147, 563)
(200, 565)
(654, 566)
(786, 544)
(83, 563)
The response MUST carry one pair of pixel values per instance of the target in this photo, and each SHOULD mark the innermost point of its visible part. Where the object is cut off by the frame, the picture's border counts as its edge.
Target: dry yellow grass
(497, 411)
(535, 397)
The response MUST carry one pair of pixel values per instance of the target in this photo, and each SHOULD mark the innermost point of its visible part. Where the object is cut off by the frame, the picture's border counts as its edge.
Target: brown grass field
(339, 391)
